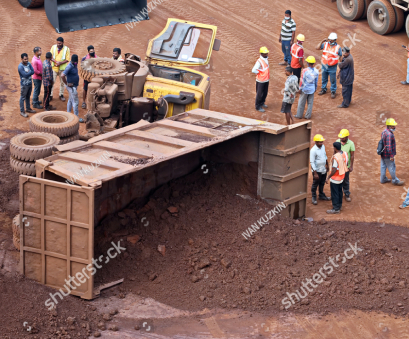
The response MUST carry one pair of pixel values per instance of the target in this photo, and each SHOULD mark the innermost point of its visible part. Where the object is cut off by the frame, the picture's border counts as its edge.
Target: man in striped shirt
(287, 37)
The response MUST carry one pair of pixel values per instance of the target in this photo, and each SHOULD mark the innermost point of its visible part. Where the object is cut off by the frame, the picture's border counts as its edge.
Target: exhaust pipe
(75, 15)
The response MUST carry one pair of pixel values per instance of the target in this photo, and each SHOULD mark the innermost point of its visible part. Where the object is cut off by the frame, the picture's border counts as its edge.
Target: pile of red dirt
(8, 181)
(185, 248)
(24, 314)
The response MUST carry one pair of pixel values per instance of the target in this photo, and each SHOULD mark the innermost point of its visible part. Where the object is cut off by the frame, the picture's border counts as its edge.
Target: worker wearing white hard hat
(329, 61)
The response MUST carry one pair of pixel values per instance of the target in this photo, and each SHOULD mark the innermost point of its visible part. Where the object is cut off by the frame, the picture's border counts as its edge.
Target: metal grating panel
(57, 234)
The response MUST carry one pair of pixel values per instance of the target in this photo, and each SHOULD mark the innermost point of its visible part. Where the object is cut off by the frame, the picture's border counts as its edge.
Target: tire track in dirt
(5, 28)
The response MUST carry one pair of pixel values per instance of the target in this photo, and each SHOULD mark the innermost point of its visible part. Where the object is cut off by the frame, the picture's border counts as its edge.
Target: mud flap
(57, 235)
(74, 15)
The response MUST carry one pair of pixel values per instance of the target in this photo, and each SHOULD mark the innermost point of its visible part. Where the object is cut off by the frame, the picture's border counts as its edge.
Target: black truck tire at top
(407, 25)
(367, 2)
(349, 12)
(31, 3)
(385, 25)
(400, 19)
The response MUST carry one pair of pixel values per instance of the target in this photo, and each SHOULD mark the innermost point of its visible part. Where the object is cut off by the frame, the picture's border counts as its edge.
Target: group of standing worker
(333, 57)
(59, 63)
(342, 164)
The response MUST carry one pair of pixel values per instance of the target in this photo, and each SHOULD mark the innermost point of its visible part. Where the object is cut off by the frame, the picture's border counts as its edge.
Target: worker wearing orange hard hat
(319, 167)
(297, 56)
(262, 69)
(348, 147)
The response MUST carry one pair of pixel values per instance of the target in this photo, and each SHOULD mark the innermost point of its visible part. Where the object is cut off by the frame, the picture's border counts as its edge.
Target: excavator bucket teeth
(74, 15)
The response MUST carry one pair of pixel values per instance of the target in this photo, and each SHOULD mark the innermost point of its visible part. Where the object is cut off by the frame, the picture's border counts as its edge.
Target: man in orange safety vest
(339, 167)
(262, 69)
(331, 53)
(297, 56)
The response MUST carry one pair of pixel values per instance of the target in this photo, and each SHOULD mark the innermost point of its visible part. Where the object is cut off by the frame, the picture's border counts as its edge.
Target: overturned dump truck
(75, 15)
(64, 204)
(160, 86)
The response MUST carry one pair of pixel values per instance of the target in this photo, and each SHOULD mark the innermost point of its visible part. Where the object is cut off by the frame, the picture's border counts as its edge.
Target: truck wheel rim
(378, 17)
(347, 6)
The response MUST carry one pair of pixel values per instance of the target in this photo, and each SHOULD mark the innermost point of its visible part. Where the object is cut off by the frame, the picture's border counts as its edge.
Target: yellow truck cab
(179, 45)
(162, 86)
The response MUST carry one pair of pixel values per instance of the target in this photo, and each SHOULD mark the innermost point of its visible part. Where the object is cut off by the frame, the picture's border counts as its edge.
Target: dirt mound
(8, 182)
(24, 314)
(185, 248)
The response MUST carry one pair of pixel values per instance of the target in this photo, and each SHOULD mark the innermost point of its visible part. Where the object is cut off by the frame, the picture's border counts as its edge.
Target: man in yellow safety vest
(61, 58)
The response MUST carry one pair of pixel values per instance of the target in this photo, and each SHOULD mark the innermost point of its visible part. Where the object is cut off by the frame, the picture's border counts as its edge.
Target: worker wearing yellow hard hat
(264, 50)
(319, 167)
(348, 147)
(308, 87)
(297, 56)
(387, 151)
(262, 71)
(391, 122)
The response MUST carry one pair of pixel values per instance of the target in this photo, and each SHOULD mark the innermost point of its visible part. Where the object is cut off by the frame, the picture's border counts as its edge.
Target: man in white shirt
(262, 69)
(319, 167)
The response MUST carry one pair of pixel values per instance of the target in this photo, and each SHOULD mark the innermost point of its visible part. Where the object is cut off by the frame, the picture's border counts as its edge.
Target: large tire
(400, 19)
(16, 226)
(62, 124)
(351, 12)
(407, 26)
(16, 243)
(385, 24)
(33, 145)
(96, 67)
(31, 3)
(23, 167)
(71, 138)
(367, 2)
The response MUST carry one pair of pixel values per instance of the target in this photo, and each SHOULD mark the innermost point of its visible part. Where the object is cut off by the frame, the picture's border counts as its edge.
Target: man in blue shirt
(308, 86)
(71, 80)
(331, 52)
(25, 70)
(319, 167)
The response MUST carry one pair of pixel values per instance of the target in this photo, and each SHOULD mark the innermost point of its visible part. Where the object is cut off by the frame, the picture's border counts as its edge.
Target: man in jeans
(71, 80)
(405, 202)
(319, 167)
(37, 77)
(406, 82)
(308, 86)
(388, 154)
(25, 70)
(287, 36)
(331, 52)
(48, 79)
